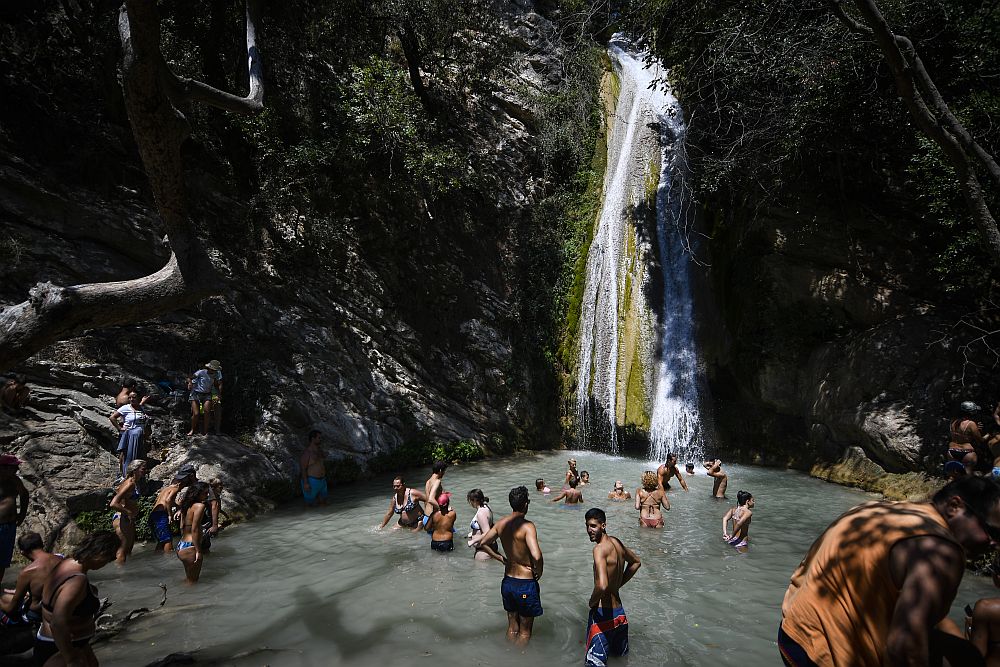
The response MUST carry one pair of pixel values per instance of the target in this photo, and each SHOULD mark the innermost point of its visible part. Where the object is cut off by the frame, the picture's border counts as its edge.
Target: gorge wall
(378, 313)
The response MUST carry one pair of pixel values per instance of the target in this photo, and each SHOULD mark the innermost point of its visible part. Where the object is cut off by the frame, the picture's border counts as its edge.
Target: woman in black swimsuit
(70, 604)
(406, 503)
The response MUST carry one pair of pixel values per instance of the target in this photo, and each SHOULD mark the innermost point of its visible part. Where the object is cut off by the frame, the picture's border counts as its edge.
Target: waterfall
(638, 364)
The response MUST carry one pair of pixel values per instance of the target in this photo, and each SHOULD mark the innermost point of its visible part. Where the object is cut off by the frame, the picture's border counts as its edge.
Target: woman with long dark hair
(482, 522)
(192, 512)
(70, 604)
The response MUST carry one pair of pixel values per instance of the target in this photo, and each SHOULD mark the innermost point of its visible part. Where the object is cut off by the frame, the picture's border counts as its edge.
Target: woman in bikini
(649, 498)
(406, 503)
(70, 604)
(192, 513)
(126, 507)
(571, 473)
(964, 436)
(481, 523)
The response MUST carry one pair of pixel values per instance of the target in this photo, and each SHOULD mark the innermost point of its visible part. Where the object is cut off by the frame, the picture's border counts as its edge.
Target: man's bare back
(518, 535)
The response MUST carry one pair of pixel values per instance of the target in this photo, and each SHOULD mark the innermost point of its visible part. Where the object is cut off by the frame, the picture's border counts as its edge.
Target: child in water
(741, 515)
(541, 488)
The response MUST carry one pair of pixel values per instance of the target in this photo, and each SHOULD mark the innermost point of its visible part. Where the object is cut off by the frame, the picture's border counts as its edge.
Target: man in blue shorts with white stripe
(522, 566)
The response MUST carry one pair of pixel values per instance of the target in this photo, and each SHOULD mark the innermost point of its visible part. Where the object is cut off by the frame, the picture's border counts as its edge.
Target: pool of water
(299, 587)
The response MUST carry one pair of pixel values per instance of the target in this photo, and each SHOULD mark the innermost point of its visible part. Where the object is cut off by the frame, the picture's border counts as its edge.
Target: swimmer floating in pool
(614, 565)
(571, 496)
(740, 516)
(649, 498)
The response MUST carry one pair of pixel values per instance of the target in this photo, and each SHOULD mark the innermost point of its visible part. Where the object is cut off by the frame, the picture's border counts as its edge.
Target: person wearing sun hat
(13, 507)
(202, 384)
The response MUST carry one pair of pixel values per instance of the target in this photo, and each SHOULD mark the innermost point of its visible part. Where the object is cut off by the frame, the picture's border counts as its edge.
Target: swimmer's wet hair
(439, 467)
(29, 542)
(102, 543)
(539, 483)
(518, 498)
(595, 513)
(742, 497)
(477, 496)
(192, 495)
(649, 481)
(132, 467)
(689, 464)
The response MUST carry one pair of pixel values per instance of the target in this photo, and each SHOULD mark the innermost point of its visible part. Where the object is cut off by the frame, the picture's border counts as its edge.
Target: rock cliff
(828, 337)
(404, 328)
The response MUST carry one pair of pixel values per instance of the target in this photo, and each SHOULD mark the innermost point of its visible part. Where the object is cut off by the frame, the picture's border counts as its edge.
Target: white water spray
(644, 132)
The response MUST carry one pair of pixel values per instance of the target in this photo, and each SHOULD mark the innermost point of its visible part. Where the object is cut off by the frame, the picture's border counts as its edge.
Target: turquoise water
(322, 587)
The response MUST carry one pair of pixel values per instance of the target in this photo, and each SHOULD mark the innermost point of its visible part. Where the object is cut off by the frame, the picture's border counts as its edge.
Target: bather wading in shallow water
(614, 565)
(442, 525)
(523, 565)
(649, 498)
(964, 436)
(189, 549)
(740, 516)
(481, 522)
(720, 480)
(24, 604)
(571, 497)
(406, 503)
(668, 470)
(70, 604)
(126, 506)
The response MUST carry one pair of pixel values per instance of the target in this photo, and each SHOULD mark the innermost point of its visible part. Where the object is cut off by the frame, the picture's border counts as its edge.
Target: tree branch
(152, 96)
(913, 84)
(197, 91)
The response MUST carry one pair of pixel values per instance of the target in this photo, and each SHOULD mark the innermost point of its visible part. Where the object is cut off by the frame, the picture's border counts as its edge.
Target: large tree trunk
(153, 96)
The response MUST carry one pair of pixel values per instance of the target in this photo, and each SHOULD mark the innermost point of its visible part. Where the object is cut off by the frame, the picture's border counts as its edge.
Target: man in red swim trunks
(614, 565)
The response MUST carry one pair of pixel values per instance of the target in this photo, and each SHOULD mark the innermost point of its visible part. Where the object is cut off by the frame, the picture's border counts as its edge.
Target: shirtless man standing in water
(433, 488)
(313, 471)
(570, 496)
(614, 565)
(668, 470)
(522, 566)
(714, 469)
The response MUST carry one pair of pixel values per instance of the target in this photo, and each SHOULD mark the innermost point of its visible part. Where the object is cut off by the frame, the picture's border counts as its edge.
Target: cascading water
(638, 364)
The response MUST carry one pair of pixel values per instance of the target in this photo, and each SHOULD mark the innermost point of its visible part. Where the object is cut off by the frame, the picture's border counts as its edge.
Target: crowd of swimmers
(53, 592)
(513, 540)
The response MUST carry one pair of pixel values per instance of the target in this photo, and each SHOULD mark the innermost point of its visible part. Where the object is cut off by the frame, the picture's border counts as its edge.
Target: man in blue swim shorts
(522, 566)
(614, 565)
(312, 467)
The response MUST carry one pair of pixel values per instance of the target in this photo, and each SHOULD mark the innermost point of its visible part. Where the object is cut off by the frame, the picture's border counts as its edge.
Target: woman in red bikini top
(649, 498)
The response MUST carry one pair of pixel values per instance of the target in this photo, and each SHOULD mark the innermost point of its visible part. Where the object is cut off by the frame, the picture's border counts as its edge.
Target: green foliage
(413, 454)
(782, 100)
(91, 521)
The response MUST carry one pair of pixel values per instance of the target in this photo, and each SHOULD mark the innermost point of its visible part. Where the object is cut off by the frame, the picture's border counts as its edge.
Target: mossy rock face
(855, 469)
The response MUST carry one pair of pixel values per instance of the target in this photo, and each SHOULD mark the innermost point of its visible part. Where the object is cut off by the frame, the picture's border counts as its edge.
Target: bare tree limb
(152, 97)
(931, 114)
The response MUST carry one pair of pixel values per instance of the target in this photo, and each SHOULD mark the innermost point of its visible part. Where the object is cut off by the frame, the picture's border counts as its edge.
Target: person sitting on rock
(965, 436)
(24, 605)
(14, 394)
(721, 479)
